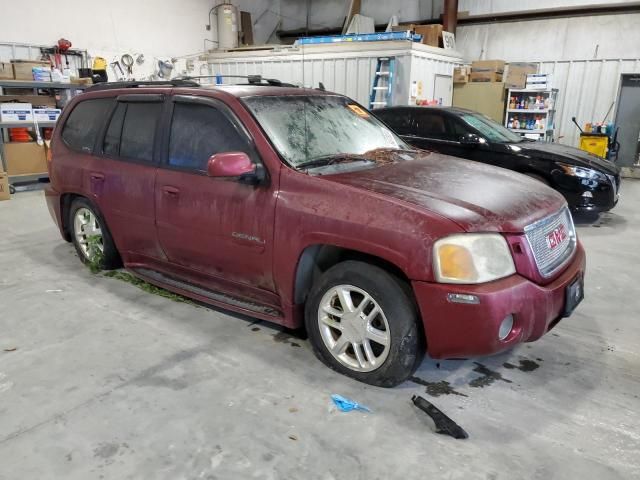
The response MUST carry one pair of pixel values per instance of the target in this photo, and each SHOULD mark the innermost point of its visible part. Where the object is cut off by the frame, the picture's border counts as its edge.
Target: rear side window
(112, 138)
(138, 130)
(431, 125)
(84, 123)
(399, 120)
(199, 131)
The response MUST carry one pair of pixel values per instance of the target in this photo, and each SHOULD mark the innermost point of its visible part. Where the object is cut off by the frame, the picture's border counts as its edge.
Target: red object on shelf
(47, 132)
(19, 134)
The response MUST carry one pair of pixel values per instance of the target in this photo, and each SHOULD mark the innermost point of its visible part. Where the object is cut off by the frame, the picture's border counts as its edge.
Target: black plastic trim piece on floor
(444, 424)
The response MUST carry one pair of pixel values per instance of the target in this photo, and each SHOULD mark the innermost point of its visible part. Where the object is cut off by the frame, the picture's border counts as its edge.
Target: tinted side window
(456, 129)
(199, 131)
(84, 123)
(399, 120)
(112, 138)
(431, 125)
(138, 130)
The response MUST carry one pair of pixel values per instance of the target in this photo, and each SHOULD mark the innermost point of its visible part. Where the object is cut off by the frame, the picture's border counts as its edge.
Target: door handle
(170, 191)
(98, 177)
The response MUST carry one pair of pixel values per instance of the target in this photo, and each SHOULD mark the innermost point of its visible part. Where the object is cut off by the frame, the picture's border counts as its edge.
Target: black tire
(110, 258)
(406, 346)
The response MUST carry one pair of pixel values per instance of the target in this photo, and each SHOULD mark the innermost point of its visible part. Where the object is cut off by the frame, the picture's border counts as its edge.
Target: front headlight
(581, 172)
(472, 258)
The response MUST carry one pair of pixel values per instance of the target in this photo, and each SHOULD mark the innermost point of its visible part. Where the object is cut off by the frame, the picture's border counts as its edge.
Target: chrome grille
(551, 257)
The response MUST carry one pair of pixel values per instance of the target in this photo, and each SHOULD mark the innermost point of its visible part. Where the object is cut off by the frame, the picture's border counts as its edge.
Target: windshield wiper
(331, 159)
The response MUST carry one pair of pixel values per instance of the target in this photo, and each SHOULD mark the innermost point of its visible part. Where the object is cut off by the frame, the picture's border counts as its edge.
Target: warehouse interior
(321, 239)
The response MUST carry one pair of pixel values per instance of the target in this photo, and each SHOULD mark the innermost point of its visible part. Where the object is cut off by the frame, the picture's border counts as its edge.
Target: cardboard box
(34, 100)
(25, 158)
(6, 71)
(4, 187)
(496, 66)
(461, 74)
(538, 81)
(431, 34)
(485, 77)
(487, 98)
(22, 69)
(16, 112)
(46, 114)
(517, 74)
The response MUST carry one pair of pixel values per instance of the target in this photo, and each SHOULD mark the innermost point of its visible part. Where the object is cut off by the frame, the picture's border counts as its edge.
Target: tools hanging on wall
(127, 61)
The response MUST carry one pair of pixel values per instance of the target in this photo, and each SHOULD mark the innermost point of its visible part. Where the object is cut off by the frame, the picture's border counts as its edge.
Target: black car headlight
(582, 172)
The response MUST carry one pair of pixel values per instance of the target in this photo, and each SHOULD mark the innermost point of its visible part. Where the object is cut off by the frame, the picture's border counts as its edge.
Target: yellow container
(596, 143)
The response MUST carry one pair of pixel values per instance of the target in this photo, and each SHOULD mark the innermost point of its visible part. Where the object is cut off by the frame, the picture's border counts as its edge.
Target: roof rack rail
(251, 80)
(135, 84)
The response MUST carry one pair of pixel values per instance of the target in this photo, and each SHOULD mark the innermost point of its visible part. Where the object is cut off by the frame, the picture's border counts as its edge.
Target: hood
(567, 154)
(477, 197)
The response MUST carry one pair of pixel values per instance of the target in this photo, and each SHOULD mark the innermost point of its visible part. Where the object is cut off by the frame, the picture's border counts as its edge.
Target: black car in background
(588, 182)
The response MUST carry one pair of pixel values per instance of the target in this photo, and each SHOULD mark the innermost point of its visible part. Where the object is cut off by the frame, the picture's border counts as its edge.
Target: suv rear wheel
(362, 323)
(91, 237)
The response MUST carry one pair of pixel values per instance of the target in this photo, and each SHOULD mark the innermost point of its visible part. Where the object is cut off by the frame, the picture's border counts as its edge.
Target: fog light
(505, 327)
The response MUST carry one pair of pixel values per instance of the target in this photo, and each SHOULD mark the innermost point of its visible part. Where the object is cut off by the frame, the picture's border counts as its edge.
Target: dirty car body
(327, 184)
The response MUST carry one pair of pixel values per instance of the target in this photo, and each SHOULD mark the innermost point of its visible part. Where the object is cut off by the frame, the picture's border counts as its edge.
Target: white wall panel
(587, 90)
(484, 7)
(346, 69)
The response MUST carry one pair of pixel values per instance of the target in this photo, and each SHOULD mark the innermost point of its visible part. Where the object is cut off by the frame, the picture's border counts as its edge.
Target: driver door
(215, 229)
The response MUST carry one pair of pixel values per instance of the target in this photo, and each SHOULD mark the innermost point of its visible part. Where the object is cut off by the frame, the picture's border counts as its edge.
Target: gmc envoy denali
(297, 206)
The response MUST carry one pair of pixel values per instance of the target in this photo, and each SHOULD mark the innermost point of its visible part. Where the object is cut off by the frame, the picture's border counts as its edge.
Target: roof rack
(135, 84)
(251, 80)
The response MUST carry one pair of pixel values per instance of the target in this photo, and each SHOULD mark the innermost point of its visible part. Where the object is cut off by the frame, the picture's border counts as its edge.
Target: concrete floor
(107, 381)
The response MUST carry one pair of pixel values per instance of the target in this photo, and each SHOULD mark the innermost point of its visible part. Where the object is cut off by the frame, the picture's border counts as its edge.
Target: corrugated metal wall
(348, 76)
(586, 91)
(347, 73)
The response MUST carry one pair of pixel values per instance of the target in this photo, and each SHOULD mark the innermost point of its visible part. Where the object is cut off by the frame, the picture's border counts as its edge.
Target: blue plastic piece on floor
(346, 405)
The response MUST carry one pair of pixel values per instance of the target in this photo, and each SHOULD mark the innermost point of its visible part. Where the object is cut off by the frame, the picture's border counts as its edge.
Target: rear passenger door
(122, 175)
(218, 230)
(432, 132)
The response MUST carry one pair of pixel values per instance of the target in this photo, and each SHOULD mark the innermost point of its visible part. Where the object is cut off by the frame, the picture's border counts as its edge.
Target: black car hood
(566, 154)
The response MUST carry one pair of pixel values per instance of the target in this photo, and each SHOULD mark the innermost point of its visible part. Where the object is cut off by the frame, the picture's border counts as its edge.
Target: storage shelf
(524, 130)
(27, 177)
(529, 110)
(53, 85)
(27, 124)
(532, 90)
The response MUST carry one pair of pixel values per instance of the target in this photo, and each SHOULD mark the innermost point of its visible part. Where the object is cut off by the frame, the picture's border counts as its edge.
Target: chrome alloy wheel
(85, 227)
(354, 328)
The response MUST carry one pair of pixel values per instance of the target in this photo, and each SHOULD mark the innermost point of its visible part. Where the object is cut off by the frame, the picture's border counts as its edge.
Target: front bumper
(458, 330)
(589, 196)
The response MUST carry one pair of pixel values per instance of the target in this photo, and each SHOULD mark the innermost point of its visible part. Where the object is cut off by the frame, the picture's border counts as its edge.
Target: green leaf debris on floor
(147, 287)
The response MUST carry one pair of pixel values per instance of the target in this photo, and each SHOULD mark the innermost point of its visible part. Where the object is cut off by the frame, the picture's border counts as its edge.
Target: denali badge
(556, 236)
(247, 237)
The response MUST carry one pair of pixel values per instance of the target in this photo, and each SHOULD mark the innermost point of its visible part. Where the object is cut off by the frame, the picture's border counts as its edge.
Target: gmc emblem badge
(556, 236)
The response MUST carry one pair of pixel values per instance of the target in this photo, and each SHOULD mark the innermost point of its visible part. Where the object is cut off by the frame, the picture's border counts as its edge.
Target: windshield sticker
(358, 111)
(388, 137)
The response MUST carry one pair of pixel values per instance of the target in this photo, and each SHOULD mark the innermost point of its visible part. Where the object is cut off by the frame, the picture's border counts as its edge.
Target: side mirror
(472, 139)
(235, 165)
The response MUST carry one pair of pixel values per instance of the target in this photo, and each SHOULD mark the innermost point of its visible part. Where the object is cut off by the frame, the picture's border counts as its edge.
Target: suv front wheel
(362, 323)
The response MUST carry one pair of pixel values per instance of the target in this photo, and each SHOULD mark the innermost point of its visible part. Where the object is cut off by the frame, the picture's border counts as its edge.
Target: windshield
(489, 129)
(336, 127)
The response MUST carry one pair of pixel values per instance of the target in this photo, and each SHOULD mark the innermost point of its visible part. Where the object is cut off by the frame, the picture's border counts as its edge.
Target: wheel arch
(316, 259)
(66, 199)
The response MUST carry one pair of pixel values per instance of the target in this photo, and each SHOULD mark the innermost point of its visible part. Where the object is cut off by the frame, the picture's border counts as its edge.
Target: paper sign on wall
(449, 40)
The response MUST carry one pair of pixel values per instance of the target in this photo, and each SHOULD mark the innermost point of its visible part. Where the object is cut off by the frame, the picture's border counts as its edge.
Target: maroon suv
(298, 207)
